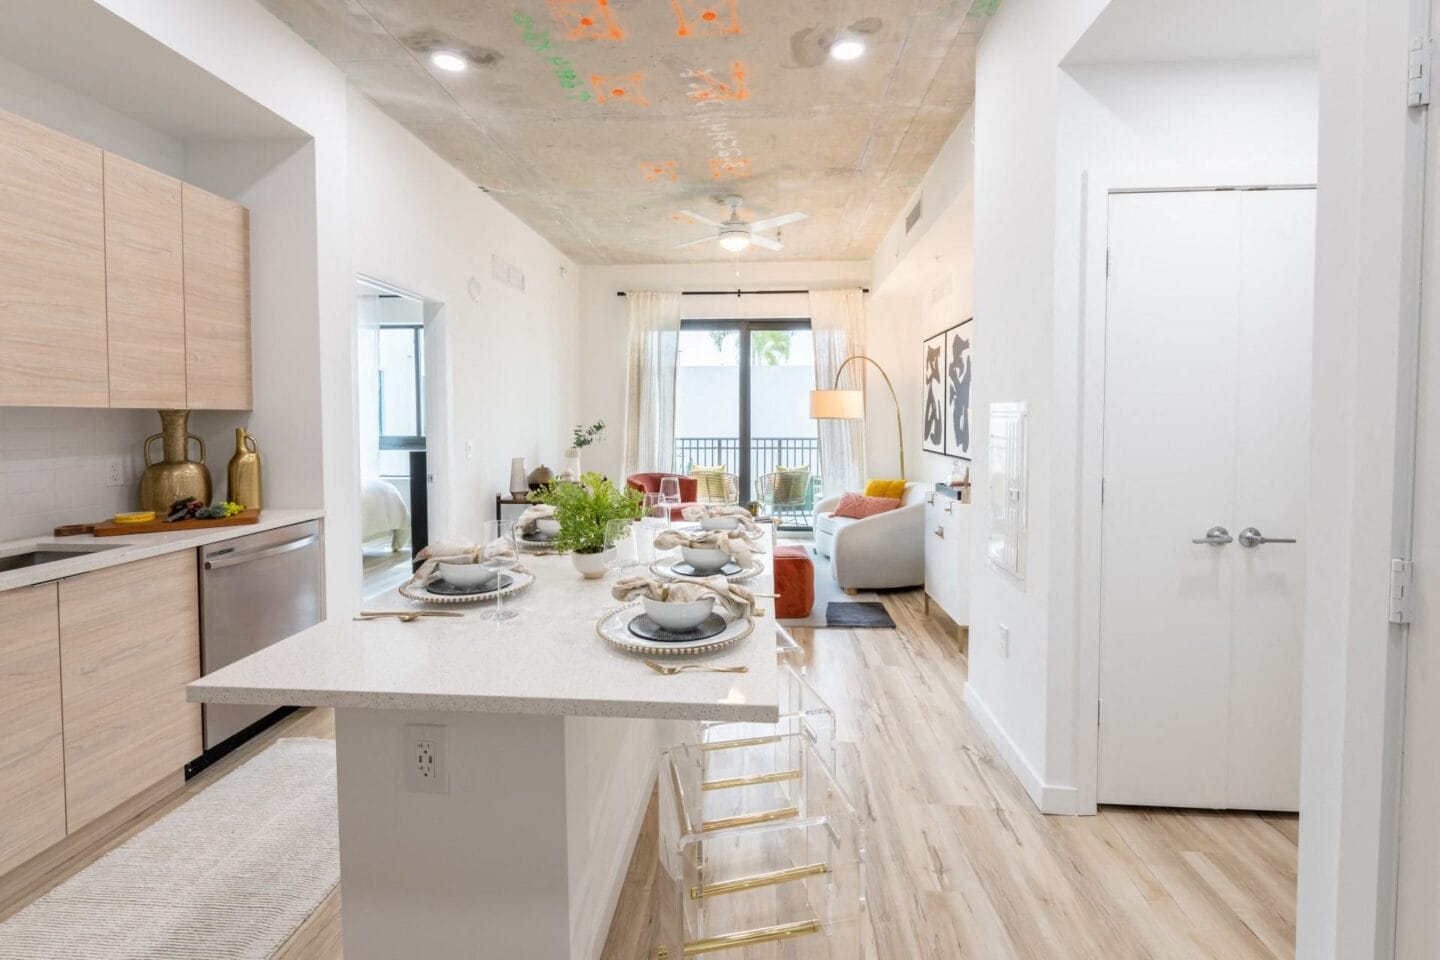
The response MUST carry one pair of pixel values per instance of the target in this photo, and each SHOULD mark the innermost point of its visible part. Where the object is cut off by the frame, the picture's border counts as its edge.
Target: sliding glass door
(742, 397)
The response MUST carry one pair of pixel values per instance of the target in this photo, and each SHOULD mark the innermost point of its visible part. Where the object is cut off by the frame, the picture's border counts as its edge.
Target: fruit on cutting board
(190, 508)
(140, 516)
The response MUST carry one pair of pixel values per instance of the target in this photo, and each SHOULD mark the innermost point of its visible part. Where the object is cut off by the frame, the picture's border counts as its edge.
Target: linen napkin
(715, 512)
(456, 551)
(733, 542)
(734, 599)
(534, 512)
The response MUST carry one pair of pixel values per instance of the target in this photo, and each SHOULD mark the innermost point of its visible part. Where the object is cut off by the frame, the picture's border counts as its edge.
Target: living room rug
(228, 875)
(855, 615)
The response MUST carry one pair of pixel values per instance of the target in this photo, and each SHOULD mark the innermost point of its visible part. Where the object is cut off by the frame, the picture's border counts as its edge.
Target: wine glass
(622, 550)
(499, 552)
(670, 489)
(655, 511)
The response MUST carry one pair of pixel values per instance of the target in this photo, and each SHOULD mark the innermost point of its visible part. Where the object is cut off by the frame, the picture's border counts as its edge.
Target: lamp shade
(837, 404)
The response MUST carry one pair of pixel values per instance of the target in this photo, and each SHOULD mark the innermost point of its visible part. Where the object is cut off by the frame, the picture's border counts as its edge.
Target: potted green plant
(583, 508)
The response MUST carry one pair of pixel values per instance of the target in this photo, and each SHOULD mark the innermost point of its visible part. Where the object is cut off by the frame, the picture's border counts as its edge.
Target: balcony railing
(767, 454)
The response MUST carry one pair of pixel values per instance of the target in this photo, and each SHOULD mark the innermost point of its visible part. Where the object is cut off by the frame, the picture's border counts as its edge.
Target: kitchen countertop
(129, 548)
(548, 661)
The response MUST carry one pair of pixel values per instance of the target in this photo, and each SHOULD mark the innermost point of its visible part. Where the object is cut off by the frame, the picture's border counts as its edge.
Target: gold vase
(176, 476)
(244, 472)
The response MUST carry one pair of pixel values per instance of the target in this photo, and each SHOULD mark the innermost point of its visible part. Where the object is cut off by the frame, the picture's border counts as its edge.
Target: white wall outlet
(425, 770)
(1004, 641)
(115, 472)
(469, 449)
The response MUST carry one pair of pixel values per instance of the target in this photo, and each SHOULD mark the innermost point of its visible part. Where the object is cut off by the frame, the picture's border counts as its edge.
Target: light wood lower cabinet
(52, 269)
(144, 286)
(32, 761)
(129, 643)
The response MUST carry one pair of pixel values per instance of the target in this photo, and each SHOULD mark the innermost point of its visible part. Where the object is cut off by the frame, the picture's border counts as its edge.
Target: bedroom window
(402, 387)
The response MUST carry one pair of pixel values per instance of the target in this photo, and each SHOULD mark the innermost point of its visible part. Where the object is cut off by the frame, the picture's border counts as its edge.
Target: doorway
(741, 408)
(393, 413)
(1208, 324)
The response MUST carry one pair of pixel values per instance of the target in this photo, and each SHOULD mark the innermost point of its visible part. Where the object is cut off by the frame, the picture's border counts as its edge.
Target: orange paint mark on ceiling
(729, 168)
(706, 18)
(664, 170)
(705, 87)
(586, 19)
(623, 89)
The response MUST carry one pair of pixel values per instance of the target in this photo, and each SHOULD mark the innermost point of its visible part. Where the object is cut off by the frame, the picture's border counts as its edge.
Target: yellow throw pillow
(711, 488)
(889, 489)
(792, 484)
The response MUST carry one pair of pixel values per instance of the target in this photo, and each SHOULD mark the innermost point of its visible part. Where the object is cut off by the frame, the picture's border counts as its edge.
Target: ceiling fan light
(847, 46)
(734, 240)
(448, 60)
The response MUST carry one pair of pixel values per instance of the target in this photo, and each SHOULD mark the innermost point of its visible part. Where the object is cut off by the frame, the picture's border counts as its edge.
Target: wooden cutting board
(109, 528)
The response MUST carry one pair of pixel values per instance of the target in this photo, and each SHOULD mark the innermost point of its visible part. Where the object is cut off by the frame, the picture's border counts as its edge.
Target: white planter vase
(572, 464)
(591, 565)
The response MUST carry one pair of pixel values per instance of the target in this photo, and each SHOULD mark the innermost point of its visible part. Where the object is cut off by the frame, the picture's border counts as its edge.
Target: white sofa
(876, 553)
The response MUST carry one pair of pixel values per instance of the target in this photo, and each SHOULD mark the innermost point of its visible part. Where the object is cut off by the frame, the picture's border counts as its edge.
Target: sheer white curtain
(650, 397)
(837, 321)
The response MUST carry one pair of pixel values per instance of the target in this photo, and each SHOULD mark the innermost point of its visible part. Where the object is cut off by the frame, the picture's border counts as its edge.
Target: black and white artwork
(933, 427)
(957, 390)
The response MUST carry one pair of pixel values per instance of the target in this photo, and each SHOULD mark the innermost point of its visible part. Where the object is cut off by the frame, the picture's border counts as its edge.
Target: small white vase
(518, 485)
(591, 565)
(572, 464)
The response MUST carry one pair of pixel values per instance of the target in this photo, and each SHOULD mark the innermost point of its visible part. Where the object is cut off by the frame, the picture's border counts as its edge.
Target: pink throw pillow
(858, 507)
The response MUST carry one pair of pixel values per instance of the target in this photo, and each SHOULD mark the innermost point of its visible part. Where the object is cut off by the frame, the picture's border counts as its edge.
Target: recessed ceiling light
(847, 46)
(448, 60)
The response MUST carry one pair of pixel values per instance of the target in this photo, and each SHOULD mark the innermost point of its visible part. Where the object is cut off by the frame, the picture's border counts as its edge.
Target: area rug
(229, 875)
(852, 614)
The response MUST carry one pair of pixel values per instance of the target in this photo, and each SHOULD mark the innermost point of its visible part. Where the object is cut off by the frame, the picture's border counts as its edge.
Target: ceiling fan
(736, 234)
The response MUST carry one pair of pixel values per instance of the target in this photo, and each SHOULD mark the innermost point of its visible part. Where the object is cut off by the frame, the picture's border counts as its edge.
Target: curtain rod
(735, 293)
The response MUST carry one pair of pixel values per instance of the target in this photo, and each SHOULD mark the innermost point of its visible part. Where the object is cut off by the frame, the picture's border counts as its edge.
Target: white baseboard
(1049, 798)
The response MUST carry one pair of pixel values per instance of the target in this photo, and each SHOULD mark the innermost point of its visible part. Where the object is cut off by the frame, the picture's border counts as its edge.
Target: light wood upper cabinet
(32, 761)
(144, 286)
(52, 269)
(129, 643)
(217, 302)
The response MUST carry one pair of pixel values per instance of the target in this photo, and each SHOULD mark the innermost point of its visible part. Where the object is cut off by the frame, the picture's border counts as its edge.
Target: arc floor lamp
(837, 404)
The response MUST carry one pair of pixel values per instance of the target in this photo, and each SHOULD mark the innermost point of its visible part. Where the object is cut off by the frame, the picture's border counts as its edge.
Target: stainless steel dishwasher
(254, 591)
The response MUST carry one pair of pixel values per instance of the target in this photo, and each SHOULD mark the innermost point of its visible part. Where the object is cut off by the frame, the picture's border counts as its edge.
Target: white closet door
(1170, 435)
(1277, 322)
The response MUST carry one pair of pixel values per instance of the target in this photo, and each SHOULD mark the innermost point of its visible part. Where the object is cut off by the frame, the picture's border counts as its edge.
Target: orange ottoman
(794, 582)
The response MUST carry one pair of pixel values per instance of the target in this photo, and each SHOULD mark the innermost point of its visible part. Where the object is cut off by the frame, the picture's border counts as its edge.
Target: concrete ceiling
(595, 121)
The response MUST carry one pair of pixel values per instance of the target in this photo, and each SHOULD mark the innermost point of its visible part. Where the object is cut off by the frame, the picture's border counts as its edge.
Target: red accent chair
(650, 483)
(794, 582)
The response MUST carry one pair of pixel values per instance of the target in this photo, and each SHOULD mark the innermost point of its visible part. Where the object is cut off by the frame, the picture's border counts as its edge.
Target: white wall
(419, 224)
(604, 325)
(1028, 209)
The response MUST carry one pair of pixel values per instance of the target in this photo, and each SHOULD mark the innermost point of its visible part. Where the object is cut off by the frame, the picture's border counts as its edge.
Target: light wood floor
(960, 863)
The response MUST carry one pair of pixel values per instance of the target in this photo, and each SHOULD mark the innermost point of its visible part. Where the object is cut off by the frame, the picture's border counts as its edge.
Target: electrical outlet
(115, 473)
(469, 449)
(425, 759)
(1004, 641)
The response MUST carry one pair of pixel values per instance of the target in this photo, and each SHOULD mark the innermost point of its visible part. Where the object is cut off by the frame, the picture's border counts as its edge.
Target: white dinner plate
(614, 629)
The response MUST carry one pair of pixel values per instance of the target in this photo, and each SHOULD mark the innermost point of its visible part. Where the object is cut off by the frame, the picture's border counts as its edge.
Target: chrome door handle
(1215, 537)
(1250, 537)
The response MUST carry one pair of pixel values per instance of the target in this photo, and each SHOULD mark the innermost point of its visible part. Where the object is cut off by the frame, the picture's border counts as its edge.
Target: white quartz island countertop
(96, 553)
(548, 661)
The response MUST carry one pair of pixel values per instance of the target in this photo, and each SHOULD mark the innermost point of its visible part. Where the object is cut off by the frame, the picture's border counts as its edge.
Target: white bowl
(469, 576)
(679, 617)
(705, 561)
(720, 523)
(549, 529)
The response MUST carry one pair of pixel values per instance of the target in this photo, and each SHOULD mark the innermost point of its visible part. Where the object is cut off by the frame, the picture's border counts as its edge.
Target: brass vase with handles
(243, 476)
(176, 476)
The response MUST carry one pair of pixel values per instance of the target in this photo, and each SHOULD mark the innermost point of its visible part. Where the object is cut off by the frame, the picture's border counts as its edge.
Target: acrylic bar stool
(773, 858)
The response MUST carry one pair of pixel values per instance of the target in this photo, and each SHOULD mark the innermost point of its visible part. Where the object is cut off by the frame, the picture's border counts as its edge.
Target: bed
(383, 513)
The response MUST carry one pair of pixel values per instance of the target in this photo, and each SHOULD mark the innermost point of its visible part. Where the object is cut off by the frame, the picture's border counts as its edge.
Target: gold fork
(662, 669)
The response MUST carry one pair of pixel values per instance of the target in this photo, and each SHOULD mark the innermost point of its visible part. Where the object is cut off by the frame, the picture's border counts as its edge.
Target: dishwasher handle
(235, 559)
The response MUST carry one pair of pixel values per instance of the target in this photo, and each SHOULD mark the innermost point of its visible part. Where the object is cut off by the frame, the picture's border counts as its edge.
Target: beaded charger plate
(665, 567)
(519, 578)
(614, 629)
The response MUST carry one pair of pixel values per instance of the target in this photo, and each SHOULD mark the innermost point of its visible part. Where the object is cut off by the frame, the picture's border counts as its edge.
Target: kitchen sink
(35, 558)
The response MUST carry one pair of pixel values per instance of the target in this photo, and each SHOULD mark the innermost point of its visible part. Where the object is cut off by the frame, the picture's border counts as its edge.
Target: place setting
(536, 529)
(705, 554)
(672, 618)
(723, 517)
(458, 571)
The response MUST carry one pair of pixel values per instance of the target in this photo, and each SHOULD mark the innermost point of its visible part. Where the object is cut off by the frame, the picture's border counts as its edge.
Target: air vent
(507, 273)
(913, 217)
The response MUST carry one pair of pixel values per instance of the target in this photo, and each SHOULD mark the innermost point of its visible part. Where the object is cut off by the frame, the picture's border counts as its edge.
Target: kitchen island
(546, 739)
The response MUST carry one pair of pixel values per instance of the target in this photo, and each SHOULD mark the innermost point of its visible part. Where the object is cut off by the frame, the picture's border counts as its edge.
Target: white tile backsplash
(52, 466)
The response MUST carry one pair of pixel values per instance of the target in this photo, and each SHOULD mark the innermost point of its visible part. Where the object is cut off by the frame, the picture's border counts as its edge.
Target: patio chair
(716, 486)
(786, 492)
